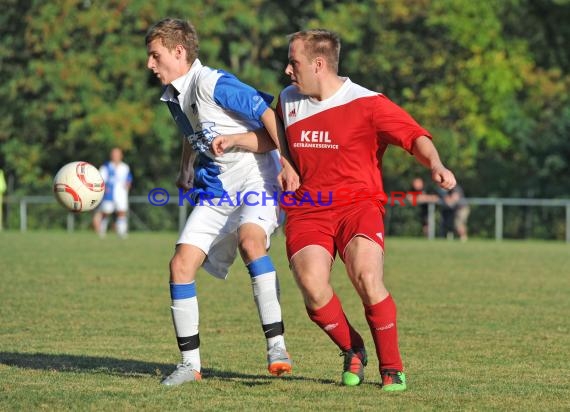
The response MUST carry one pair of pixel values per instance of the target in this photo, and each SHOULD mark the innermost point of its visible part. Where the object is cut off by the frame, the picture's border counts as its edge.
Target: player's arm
(425, 152)
(395, 126)
(185, 176)
(415, 197)
(276, 131)
(289, 177)
(232, 94)
(129, 182)
(257, 141)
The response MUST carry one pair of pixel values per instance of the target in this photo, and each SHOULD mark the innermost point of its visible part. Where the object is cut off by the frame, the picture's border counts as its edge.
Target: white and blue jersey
(206, 103)
(217, 103)
(118, 179)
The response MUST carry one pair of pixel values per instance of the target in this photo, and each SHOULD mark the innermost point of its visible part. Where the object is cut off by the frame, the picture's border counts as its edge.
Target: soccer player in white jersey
(209, 106)
(337, 132)
(118, 180)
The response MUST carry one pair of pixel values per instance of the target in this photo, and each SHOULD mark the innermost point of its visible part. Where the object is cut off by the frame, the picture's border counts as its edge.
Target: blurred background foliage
(489, 79)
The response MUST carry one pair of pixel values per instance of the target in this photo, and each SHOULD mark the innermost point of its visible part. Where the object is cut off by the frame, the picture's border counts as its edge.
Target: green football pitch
(85, 325)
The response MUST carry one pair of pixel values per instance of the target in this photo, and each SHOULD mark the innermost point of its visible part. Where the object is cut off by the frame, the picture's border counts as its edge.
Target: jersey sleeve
(104, 172)
(232, 94)
(394, 125)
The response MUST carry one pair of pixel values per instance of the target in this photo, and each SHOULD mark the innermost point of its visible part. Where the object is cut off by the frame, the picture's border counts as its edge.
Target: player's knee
(370, 285)
(179, 270)
(251, 248)
(316, 298)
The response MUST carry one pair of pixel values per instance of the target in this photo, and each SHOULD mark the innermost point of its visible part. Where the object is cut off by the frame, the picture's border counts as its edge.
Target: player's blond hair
(173, 32)
(320, 42)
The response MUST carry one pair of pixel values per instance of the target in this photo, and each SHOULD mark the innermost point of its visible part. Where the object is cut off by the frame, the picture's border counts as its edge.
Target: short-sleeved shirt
(216, 103)
(118, 178)
(338, 143)
(206, 103)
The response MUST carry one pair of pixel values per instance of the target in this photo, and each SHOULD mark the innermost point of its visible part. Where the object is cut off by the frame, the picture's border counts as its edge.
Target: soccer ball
(79, 187)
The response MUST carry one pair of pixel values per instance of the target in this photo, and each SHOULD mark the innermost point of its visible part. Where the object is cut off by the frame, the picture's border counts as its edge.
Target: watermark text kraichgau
(341, 197)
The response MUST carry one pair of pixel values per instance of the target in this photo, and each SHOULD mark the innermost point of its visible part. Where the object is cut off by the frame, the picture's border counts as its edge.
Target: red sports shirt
(338, 143)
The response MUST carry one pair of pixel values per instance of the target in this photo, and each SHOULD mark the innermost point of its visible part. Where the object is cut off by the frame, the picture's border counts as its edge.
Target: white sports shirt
(217, 103)
(117, 179)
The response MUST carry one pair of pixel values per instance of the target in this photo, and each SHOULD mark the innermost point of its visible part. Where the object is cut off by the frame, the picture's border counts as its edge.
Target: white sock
(278, 340)
(122, 226)
(103, 225)
(267, 298)
(266, 295)
(185, 316)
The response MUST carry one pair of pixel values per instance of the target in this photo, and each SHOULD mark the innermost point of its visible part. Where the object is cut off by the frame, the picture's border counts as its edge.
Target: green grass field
(85, 325)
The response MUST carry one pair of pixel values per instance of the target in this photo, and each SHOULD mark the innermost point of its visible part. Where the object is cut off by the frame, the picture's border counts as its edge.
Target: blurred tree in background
(489, 79)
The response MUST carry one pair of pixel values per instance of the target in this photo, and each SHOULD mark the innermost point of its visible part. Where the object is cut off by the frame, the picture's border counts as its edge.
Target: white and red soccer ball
(79, 187)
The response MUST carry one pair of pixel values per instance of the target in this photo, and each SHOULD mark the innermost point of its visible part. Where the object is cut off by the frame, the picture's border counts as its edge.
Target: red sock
(332, 320)
(381, 318)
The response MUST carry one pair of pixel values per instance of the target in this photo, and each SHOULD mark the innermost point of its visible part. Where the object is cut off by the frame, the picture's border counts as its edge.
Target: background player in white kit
(208, 103)
(118, 180)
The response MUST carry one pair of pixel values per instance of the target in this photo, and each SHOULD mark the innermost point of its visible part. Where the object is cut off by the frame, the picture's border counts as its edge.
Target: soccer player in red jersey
(337, 133)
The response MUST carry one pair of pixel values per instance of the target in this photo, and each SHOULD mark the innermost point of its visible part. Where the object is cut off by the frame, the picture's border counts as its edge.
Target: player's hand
(221, 144)
(184, 181)
(288, 178)
(443, 177)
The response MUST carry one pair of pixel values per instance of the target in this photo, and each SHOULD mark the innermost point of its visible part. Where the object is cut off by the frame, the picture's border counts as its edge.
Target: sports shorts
(334, 228)
(213, 229)
(461, 216)
(119, 204)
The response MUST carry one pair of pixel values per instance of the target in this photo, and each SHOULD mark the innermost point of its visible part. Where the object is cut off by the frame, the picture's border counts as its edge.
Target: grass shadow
(127, 367)
(83, 363)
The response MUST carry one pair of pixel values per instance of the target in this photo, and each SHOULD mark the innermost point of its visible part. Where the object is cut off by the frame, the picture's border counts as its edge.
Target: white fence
(497, 203)
(25, 201)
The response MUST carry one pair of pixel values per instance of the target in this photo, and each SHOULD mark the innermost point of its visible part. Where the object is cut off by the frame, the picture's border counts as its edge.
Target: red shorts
(334, 228)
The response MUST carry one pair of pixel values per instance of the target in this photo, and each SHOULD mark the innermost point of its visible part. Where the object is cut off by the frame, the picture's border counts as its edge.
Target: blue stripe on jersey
(182, 290)
(206, 180)
(260, 266)
(180, 118)
(231, 94)
(110, 183)
(200, 140)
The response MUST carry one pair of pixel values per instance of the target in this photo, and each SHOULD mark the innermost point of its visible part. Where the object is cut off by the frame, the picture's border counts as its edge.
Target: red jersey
(338, 143)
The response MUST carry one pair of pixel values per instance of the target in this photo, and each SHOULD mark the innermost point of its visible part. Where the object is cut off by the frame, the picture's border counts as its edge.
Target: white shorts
(213, 229)
(120, 204)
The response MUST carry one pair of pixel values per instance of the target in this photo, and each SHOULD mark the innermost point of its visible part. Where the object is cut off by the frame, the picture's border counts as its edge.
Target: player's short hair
(173, 32)
(320, 42)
